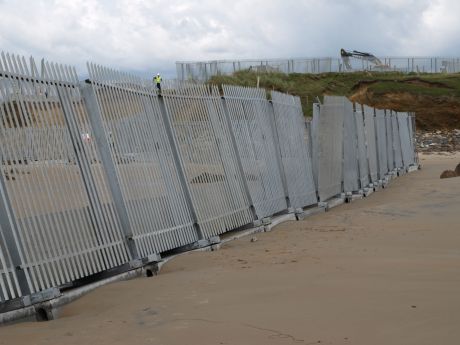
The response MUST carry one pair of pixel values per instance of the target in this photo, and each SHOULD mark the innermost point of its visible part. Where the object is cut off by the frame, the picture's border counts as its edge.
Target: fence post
(95, 118)
(178, 165)
(8, 223)
(238, 158)
(278, 154)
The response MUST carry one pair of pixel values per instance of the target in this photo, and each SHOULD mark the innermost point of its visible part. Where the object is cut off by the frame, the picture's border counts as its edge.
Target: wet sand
(383, 270)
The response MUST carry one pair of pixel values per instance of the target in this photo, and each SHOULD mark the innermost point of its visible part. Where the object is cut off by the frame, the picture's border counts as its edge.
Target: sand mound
(457, 169)
(448, 174)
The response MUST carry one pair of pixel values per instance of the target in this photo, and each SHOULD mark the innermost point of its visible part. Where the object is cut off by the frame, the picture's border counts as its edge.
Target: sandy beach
(382, 270)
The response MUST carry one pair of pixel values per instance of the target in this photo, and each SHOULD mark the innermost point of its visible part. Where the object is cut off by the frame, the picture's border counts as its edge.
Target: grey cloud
(144, 36)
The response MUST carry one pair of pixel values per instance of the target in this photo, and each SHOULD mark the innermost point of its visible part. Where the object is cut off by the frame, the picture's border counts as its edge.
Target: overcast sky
(148, 36)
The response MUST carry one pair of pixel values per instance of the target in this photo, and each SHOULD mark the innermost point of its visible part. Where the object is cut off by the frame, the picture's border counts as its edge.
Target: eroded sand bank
(384, 270)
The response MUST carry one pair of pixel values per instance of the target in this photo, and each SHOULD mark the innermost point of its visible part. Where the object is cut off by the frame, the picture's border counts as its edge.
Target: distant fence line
(204, 70)
(108, 175)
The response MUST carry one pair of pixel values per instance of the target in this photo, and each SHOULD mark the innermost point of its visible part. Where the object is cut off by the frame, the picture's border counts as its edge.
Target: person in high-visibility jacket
(157, 80)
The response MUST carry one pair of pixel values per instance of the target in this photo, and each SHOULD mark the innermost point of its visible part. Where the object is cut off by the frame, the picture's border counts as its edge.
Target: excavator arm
(347, 55)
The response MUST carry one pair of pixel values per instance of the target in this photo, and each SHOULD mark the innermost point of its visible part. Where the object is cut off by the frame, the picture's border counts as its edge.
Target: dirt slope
(435, 98)
(433, 112)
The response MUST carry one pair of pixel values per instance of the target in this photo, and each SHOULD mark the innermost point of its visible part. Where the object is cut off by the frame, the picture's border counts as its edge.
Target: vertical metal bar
(180, 171)
(238, 158)
(108, 164)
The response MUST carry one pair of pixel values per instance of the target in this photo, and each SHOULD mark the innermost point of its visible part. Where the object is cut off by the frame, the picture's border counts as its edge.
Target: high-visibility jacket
(157, 79)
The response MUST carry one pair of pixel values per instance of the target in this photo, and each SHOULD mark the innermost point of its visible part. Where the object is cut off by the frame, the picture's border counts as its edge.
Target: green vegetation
(377, 88)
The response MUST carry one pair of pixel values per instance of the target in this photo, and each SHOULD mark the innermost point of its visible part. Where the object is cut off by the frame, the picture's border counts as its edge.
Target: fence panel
(350, 149)
(362, 153)
(396, 140)
(144, 165)
(250, 117)
(314, 142)
(207, 157)
(369, 130)
(404, 135)
(64, 222)
(330, 147)
(290, 127)
(411, 125)
(380, 131)
(413, 141)
(390, 149)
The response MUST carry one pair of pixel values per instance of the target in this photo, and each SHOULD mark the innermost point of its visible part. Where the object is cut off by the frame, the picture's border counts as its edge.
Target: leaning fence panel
(250, 118)
(158, 215)
(207, 157)
(314, 142)
(330, 147)
(369, 130)
(362, 153)
(350, 149)
(64, 221)
(390, 149)
(404, 135)
(290, 127)
(413, 141)
(396, 140)
(380, 131)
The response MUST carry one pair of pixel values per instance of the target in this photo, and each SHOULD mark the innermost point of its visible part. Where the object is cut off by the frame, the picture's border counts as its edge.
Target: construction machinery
(375, 62)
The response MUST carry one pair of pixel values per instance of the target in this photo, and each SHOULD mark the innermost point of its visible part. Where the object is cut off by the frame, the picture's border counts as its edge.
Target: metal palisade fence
(359, 148)
(58, 218)
(103, 176)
